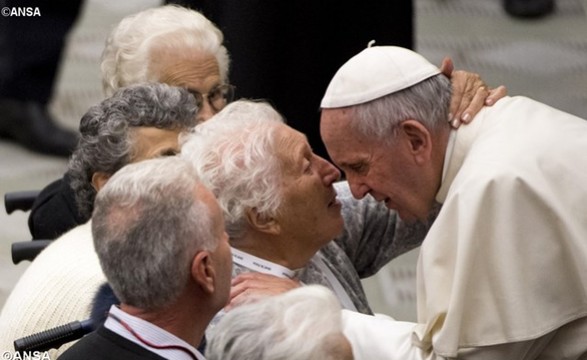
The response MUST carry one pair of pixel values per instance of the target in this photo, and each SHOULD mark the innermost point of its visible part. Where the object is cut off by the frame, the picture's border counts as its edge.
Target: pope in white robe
(502, 273)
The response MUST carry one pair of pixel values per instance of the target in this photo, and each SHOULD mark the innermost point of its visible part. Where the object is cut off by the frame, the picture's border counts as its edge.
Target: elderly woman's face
(197, 72)
(151, 142)
(309, 214)
(147, 143)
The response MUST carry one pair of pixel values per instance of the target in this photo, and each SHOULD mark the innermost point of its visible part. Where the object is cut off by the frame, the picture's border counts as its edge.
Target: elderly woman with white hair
(172, 45)
(302, 324)
(307, 323)
(289, 219)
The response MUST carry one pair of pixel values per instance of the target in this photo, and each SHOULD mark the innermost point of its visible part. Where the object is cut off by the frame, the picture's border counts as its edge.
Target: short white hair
(233, 154)
(147, 225)
(300, 324)
(125, 59)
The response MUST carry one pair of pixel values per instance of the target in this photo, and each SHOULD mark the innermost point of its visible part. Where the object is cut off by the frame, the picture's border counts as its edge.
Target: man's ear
(262, 223)
(99, 179)
(202, 271)
(418, 140)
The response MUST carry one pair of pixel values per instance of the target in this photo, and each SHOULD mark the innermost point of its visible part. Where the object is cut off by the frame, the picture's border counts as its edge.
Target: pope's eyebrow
(355, 166)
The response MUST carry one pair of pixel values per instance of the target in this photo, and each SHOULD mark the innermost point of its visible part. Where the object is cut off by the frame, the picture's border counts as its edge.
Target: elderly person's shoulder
(67, 269)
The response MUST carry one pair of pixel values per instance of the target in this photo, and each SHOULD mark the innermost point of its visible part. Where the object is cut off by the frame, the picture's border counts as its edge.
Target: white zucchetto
(375, 72)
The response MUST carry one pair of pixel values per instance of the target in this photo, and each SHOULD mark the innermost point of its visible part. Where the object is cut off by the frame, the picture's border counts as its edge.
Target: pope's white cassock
(502, 274)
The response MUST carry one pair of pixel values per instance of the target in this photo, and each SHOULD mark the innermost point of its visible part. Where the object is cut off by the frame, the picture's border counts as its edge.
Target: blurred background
(543, 58)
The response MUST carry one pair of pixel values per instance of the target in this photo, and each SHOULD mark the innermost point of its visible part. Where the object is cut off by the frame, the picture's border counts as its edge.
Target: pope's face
(384, 170)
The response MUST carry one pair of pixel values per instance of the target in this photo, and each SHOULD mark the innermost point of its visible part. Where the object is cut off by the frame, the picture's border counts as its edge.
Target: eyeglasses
(218, 97)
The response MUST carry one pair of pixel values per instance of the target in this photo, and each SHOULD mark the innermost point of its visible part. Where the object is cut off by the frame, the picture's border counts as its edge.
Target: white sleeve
(381, 337)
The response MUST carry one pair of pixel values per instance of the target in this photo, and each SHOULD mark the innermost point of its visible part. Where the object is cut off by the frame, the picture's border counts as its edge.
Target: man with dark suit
(165, 255)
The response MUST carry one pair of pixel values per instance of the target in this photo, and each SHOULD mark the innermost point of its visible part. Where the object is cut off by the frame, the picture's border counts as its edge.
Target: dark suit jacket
(104, 344)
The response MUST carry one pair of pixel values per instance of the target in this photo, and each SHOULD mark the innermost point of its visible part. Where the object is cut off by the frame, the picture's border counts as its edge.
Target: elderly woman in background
(167, 44)
(172, 45)
(301, 324)
(136, 123)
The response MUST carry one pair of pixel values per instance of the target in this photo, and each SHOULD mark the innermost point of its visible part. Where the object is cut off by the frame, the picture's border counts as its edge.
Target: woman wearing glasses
(168, 44)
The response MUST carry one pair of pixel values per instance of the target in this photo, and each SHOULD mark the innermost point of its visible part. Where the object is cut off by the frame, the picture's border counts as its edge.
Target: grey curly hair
(106, 144)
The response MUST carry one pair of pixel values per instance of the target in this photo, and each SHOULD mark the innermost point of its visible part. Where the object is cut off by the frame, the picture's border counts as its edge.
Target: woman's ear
(262, 223)
(99, 179)
(418, 140)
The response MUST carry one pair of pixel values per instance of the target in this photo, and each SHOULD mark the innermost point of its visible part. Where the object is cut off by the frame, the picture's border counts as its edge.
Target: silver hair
(106, 142)
(233, 156)
(300, 324)
(147, 226)
(427, 102)
(125, 59)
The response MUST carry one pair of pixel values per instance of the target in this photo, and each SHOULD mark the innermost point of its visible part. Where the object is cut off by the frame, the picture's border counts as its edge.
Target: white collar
(441, 195)
(449, 149)
(151, 333)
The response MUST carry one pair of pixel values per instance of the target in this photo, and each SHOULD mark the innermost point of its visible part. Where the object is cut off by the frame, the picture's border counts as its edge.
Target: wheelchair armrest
(20, 200)
(55, 337)
(27, 250)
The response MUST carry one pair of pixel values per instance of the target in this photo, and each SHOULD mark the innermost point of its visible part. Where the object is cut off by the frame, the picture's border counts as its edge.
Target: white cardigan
(57, 288)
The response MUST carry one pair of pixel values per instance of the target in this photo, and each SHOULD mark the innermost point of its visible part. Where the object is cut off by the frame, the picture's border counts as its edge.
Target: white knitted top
(57, 288)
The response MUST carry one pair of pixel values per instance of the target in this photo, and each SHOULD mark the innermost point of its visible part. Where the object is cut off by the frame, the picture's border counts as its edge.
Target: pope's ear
(418, 139)
(262, 222)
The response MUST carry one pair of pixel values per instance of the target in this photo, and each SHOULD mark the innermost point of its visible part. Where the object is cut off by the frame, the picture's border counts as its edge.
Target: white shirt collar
(449, 149)
(441, 195)
(151, 333)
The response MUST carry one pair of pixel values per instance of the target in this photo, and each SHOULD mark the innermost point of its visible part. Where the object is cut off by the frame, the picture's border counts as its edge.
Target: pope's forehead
(337, 120)
(337, 115)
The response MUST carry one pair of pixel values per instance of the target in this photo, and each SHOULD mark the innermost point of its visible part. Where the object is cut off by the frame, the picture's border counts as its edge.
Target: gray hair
(125, 59)
(299, 324)
(427, 102)
(147, 226)
(106, 142)
(233, 156)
